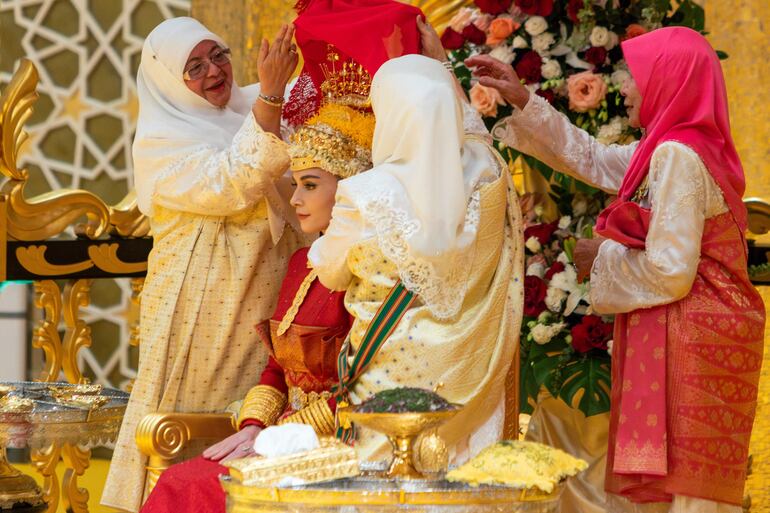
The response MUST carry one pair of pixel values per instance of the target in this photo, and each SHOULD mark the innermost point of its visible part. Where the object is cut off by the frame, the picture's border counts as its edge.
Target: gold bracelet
(273, 101)
(318, 415)
(263, 403)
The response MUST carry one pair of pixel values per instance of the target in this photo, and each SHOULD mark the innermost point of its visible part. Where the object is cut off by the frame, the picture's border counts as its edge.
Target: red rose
(596, 55)
(548, 94)
(541, 231)
(591, 333)
(474, 34)
(528, 67)
(493, 6)
(573, 8)
(535, 290)
(451, 39)
(535, 7)
(557, 267)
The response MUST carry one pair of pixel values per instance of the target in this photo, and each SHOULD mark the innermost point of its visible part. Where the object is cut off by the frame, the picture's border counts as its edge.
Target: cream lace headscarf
(173, 121)
(425, 207)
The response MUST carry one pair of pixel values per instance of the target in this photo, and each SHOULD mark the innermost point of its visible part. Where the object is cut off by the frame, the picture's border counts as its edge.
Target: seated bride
(309, 325)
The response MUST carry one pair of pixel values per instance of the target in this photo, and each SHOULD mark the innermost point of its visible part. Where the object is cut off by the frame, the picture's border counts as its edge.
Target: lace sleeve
(329, 253)
(223, 182)
(624, 279)
(473, 124)
(543, 132)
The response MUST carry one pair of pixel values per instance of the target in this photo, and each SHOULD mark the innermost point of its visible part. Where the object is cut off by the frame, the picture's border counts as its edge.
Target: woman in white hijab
(438, 213)
(206, 156)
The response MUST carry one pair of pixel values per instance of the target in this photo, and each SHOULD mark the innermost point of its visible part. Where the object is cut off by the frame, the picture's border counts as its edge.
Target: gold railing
(36, 243)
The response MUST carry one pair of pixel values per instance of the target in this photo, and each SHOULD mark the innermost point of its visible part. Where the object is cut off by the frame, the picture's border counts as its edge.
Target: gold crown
(346, 83)
(338, 140)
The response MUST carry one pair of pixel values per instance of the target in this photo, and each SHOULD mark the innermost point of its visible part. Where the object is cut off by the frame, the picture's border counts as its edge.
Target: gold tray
(371, 495)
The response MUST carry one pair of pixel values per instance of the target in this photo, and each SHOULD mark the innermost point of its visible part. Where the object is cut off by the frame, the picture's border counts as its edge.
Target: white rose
(610, 133)
(563, 258)
(535, 25)
(550, 69)
(600, 36)
(533, 245)
(619, 76)
(613, 42)
(565, 280)
(542, 42)
(564, 222)
(543, 333)
(609, 347)
(503, 54)
(536, 269)
(519, 43)
(579, 206)
(554, 298)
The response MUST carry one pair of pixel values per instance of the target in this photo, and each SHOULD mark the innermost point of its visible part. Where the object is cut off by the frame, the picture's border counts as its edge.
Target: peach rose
(485, 100)
(500, 29)
(586, 91)
(634, 30)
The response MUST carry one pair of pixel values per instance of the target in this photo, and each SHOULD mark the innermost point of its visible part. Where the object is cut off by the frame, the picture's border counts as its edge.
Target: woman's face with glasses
(209, 74)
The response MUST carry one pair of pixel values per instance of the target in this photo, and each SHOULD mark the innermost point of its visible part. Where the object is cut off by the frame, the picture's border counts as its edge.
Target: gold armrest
(163, 436)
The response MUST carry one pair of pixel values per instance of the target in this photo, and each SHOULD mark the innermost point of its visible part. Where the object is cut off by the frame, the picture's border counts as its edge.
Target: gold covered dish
(332, 460)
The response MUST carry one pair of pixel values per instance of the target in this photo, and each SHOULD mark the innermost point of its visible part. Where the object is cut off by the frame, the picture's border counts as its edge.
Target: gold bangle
(263, 403)
(273, 101)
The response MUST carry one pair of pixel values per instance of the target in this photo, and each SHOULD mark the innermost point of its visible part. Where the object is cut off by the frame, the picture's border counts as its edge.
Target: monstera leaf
(591, 375)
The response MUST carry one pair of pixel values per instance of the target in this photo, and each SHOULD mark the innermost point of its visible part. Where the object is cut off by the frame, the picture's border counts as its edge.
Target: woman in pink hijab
(671, 265)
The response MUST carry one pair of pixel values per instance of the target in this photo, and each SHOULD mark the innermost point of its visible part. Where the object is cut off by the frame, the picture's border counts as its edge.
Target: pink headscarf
(683, 99)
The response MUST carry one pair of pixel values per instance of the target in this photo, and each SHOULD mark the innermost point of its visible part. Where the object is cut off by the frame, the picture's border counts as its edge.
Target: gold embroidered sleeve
(263, 403)
(317, 414)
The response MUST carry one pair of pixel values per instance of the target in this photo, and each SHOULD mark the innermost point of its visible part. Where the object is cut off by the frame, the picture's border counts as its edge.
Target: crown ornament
(345, 83)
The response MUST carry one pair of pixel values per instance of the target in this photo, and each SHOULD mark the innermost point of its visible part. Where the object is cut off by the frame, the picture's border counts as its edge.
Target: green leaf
(689, 14)
(722, 55)
(591, 375)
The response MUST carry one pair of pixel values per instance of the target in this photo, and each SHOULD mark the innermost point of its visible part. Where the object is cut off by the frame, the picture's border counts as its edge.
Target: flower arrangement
(568, 52)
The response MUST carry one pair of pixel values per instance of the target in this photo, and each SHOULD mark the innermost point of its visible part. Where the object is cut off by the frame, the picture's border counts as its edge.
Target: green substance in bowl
(405, 400)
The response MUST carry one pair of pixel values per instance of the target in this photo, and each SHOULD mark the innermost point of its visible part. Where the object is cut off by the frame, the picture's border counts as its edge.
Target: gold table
(61, 430)
(373, 495)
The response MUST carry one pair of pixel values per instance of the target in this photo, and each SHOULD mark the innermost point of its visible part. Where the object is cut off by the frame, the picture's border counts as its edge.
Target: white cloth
(285, 440)
(681, 195)
(176, 126)
(418, 199)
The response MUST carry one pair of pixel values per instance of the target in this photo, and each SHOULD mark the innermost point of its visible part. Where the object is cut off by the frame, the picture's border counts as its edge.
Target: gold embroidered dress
(462, 331)
(214, 271)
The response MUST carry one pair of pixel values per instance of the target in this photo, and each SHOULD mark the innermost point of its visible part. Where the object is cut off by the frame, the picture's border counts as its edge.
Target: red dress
(302, 363)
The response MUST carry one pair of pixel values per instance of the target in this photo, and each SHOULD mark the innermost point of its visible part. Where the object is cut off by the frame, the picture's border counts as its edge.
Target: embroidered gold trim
(299, 298)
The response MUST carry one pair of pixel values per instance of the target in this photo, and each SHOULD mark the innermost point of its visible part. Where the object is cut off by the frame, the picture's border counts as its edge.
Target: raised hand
(239, 445)
(430, 42)
(276, 63)
(498, 75)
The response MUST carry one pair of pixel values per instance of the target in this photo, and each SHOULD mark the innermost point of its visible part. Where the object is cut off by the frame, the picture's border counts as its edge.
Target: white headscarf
(426, 210)
(173, 120)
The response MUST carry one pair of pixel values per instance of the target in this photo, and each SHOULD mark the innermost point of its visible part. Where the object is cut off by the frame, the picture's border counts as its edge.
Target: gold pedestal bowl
(401, 429)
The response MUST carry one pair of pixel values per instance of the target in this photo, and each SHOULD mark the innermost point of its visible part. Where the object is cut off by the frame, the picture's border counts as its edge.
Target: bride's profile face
(313, 198)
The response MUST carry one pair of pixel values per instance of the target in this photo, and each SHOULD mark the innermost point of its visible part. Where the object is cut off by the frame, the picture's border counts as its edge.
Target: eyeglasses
(200, 69)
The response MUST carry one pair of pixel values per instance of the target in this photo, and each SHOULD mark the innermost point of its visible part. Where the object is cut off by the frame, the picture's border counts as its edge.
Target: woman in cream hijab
(206, 157)
(436, 212)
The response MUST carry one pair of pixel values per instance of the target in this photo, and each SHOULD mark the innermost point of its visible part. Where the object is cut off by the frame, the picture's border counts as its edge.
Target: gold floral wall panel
(740, 28)
(87, 53)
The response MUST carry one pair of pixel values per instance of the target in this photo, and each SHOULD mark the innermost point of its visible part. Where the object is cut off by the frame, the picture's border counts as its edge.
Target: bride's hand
(239, 445)
(498, 75)
(276, 63)
(430, 42)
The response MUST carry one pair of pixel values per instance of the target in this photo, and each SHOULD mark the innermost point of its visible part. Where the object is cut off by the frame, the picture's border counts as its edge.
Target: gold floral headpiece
(338, 140)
